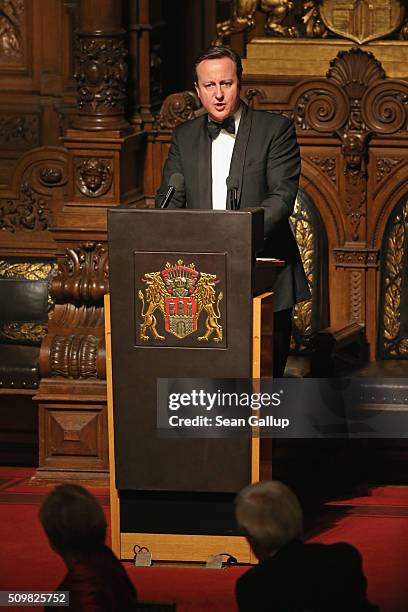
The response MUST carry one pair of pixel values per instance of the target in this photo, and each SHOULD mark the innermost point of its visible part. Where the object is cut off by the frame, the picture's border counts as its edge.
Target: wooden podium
(188, 299)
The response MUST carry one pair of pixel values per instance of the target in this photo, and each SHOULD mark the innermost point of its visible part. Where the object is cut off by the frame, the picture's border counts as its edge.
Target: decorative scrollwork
(356, 280)
(75, 356)
(94, 176)
(83, 276)
(101, 74)
(30, 213)
(385, 106)
(323, 107)
(178, 108)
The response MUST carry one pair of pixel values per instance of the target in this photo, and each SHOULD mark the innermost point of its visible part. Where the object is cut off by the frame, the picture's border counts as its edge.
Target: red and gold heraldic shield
(362, 20)
(181, 301)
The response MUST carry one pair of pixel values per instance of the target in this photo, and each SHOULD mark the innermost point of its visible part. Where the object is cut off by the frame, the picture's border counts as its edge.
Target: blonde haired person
(293, 576)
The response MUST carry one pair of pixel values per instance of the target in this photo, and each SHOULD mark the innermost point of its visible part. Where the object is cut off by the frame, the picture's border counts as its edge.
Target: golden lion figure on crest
(243, 17)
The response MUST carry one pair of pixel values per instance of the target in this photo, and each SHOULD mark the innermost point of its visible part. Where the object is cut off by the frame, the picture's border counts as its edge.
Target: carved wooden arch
(395, 188)
(325, 198)
(48, 166)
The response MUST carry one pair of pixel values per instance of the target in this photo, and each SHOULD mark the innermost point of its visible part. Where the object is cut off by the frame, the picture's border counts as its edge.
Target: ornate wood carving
(19, 130)
(356, 258)
(283, 18)
(12, 22)
(74, 346)
(327, 165)
(94, 176)
(76, 356)
(83, 275)
(356, 307)
(384, 166)
(29, 213)
(178, 108)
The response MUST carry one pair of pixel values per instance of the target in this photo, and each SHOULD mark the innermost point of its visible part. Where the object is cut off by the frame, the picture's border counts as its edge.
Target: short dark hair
(218, 52)
(73, 519)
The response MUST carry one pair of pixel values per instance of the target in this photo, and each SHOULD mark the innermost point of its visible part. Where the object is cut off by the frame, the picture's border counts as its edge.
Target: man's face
(218, 87)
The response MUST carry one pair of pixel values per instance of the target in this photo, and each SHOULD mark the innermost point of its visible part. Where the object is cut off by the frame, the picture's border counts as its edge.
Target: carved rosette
(30, 213)
(327, 165)
(178, 108)
(393, 342)
(101, 78)
(356, 258)
(94, 176)
(76, 356)
(83, 276)
(385, 165)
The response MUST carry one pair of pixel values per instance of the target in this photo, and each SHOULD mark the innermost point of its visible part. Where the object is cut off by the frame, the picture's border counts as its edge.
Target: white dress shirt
(221, 154)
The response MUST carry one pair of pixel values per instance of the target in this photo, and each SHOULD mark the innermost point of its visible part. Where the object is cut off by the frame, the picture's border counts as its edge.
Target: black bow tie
(215, 128)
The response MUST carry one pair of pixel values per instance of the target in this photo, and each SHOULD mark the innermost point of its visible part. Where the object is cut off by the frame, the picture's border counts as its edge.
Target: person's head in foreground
(217, 79)
(73, 520)
(270, 516)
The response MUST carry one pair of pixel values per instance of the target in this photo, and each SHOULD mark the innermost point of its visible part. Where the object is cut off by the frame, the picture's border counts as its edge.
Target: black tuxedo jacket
(265, 168)
(306, 578)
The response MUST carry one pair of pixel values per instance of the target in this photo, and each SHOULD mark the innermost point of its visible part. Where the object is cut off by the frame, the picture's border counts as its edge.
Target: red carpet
(377, 524)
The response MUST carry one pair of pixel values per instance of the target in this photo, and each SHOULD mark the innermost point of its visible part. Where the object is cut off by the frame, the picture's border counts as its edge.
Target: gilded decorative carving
(289, 18)
(385, 165)
(83, 275)
(327, 165)
(356, 280)
(101, 74)
(360, 20)
(19, 130)
(31, 271)
(30, 213)
(302, 314)
(12, 17)
(26, 270)
(393, 342)
(94, 176)
(75, 356)
(178, 108)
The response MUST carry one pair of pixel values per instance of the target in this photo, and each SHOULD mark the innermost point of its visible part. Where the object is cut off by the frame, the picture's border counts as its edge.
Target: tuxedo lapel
(204, 168)
(238, 157)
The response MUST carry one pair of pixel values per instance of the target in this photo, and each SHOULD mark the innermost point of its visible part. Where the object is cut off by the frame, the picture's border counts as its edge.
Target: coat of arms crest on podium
(181, 294)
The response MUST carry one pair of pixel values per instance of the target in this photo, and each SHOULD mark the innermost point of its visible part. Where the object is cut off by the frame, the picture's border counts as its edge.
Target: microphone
(176, 183)
(232, 188)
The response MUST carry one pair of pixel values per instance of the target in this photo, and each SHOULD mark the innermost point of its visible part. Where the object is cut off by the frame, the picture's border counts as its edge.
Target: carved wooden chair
(25, 305)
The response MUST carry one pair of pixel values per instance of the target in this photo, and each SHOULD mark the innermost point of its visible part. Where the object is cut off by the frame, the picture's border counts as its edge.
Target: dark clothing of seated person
(293, 576)
(75, 525)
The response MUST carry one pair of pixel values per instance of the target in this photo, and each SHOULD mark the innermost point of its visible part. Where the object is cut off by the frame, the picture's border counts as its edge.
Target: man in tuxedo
(234, 157)
(293, 576)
